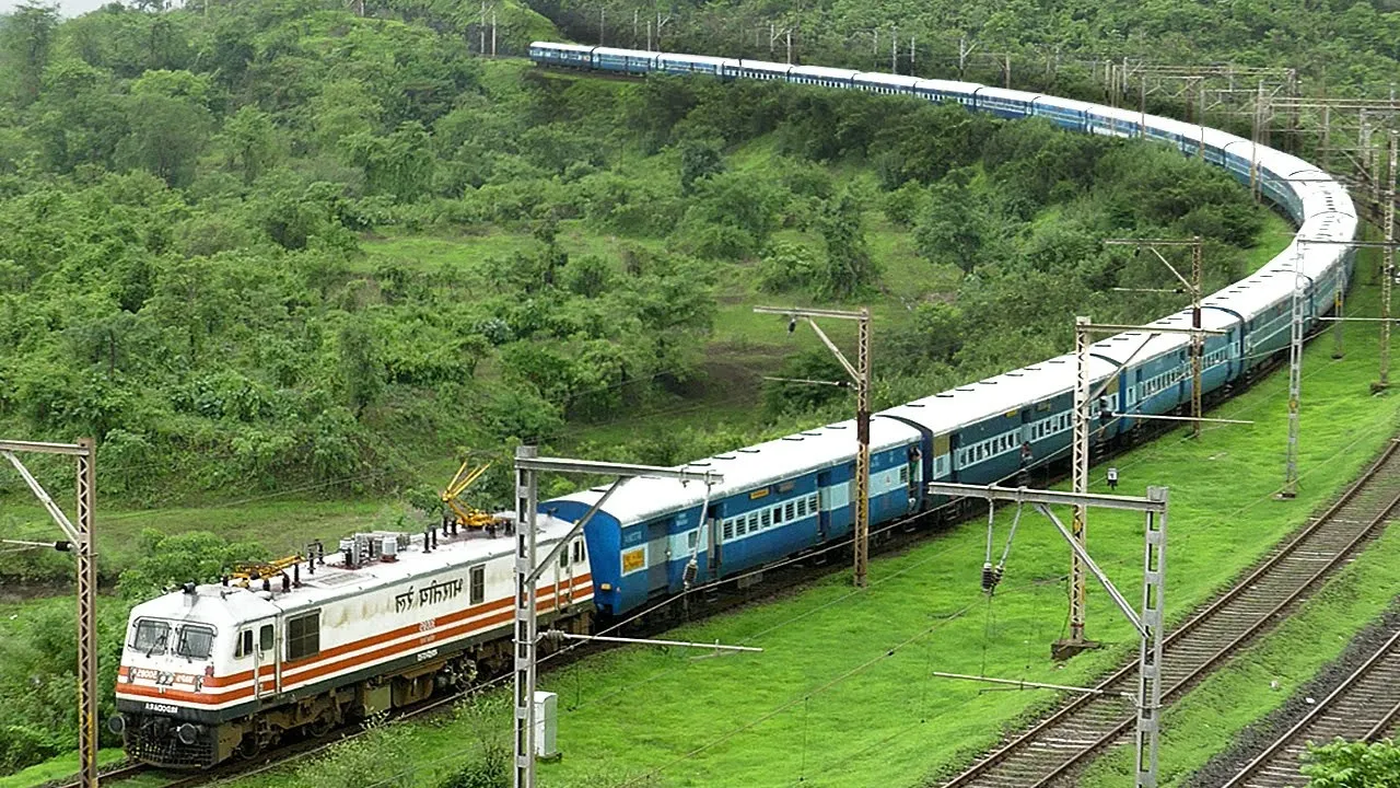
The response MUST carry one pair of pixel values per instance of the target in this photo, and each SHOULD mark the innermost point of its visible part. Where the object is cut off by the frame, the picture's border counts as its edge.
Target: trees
(169, 125)
(399, 164)
(250, 143)
(699, 159)
(25, 38)
(849, 266)
(361, 375)
(950, 229)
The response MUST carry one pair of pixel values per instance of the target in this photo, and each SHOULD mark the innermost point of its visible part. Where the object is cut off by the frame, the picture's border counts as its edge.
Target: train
(212, 671)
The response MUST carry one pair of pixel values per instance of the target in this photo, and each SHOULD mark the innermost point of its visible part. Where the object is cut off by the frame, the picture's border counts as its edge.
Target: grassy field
(841, 694)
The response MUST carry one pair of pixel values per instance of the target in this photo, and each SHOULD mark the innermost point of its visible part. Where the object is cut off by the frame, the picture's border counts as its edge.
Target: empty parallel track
(1361, 708)
(1051, 751)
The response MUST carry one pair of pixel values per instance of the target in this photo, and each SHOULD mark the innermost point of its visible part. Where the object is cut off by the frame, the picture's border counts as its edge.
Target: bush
(24, 745)
(376, 758)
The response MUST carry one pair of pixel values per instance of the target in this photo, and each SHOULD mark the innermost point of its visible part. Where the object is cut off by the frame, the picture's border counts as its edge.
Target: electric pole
(80, 541)
(1295, 379)
(1388, 274)
(1084, 394)
(894, 49)
(860, 376)
(1147, 620)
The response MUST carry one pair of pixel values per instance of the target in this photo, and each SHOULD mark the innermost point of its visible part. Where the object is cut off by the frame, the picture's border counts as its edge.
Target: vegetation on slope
(192, 208)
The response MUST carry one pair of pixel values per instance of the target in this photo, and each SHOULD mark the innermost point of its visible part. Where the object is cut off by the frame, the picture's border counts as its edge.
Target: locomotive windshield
(194, 642)
(151, 636)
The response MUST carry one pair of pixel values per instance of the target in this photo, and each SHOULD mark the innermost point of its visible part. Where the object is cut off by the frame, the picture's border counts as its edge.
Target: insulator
(692, 570)
(989, 578)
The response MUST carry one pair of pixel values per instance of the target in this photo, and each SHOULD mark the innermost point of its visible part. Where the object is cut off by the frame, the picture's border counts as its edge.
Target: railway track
(1052, 751)
(1363, 707)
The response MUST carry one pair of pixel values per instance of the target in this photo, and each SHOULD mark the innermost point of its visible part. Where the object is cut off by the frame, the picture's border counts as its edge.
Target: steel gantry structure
(80, 542)
(1147, 620)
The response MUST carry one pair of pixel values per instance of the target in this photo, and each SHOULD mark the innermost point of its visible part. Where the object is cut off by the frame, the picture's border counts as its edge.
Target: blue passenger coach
(653, 538)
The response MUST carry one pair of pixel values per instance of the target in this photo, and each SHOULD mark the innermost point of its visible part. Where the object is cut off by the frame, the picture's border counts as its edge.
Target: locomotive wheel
(250, 747)
(320, 726)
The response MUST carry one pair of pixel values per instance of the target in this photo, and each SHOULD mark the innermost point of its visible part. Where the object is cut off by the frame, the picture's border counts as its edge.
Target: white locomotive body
(214, 670)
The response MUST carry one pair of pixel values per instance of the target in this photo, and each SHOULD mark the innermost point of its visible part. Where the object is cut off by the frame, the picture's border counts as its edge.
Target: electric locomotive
(212, 671)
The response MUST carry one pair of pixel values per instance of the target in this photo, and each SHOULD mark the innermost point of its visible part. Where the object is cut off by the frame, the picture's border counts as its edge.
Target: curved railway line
(1053, 750)
(1362, 708)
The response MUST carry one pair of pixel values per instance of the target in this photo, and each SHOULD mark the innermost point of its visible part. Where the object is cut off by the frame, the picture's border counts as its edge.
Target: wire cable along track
(1363, 707)
(1049, 753)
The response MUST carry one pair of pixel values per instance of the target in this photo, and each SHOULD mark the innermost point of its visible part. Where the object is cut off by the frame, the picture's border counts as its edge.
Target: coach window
(304, 636)
(478, 584)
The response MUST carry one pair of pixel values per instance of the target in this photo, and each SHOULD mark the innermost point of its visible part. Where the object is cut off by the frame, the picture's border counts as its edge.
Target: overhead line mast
(860, 375)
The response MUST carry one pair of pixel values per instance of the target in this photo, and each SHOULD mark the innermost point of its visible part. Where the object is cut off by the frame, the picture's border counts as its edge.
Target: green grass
(842, 694)
(60, 768)
(281, 523)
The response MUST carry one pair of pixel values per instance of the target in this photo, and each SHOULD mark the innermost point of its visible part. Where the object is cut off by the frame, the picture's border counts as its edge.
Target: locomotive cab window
(265, 639)
(579, 553)
(304, 635)
(194, 642)
(152, 637)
